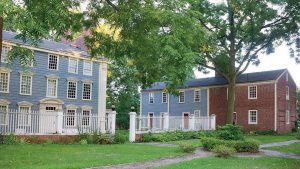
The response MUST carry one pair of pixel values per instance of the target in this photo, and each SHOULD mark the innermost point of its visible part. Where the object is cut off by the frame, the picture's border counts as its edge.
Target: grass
(79, 156)
(238, 163)
(264, 139)
(292, 148)
(195, 142)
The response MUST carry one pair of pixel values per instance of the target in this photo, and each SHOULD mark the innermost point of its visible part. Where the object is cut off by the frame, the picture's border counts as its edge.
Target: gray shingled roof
(218, 81)
(47, 44)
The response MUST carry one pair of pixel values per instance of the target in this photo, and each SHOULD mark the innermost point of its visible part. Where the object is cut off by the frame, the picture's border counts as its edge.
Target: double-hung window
(4, 53)
(197, 96)
(72, 90)
(88, 68)
(25, 85)
(70, 118)
(164, 97)
(87, 91)
(86, 117)
(3, 114)
(151, 97)
(73, 66)
(51, 87)
(24, 116)
(52, 62)
(252, 117)
(4, 82)
(181, 97)
(252, 92)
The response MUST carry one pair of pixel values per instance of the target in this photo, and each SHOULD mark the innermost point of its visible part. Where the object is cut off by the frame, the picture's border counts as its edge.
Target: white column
(132, 126)
(213, 122)
(102, 95)
(166, 121)
(59, 122)
(192, 122)
(112, 120)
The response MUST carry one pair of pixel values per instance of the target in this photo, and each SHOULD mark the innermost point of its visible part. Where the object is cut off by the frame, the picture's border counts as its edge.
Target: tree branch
(205, 26)
(112, 5)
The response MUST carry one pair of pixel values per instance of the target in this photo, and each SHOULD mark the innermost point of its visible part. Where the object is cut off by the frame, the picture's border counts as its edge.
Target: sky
(278, 60)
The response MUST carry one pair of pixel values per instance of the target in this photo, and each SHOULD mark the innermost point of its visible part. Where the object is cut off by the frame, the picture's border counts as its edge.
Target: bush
(230, 132)
(171, 136)
(106, 139)
(187, 148)
(251, 146)
(11, 139)
(210, 143)
(147, 137)
(120, 138)
(83, 142)
(298, 136)
(223, 151)
(267, 132)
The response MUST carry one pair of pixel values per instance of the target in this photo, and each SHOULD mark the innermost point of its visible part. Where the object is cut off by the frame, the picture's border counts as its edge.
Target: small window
(4, 82)
(73, 66)
(287, 77)
(151, 97)
(252, 117)
(72, 90)
(25, 85)
(53, 62)
(24, 116)
(86, 117)
(70, 118)
(3, 114)
(87, 91)
(88, 68)
(4, 53)
(287, 93)
(287, 117)
(197, 113)
(181, 97)
(164, 97)
(52, 88)
(48, 108)
(197, 96)
(252, 92)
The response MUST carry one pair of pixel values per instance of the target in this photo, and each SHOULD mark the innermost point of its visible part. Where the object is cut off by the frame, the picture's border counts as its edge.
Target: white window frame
(84, 66)
(151, 95)
(67, 116)
(2, 56)
(55, 88)
(287, 116)
(6, 117)
(69, 65)
(75, 89)
(198, 90)
(21, 78)
(287, 92)
(21, 115)
(91, 89)
(8, 81)
(179, 100)
(88, 117)
(249, 96)
(249, 116)
(57, 63)
(166, 97)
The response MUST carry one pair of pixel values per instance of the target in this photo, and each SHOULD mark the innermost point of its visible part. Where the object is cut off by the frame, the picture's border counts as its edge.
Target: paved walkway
(200, 153)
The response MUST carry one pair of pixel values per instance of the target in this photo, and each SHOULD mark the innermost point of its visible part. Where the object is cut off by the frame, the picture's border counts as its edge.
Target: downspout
(275, 106)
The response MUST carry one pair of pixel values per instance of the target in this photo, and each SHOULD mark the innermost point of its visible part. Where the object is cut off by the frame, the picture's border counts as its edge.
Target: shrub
(120, 138)
(23, 141)
(147, 137)
(83, 142)
(267, 132)
(210, 143)
(230, 132)
(251, 146)
(223, 151)
(11, 139)
(298, 136)
(187, 148)
(106, 139)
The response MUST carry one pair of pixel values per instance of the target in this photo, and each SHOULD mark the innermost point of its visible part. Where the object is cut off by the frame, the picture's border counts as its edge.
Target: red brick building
(263, 101)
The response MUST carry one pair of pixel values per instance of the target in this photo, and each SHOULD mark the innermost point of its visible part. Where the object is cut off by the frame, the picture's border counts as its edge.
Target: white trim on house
(249, 92)
(102, 82)
(85, 116)
(179, 100)
(30, 87)
(69, 65)
(275, 107)
(249, 116)
(90, 73)
(56, 86)
(6, 71)
(23, 116)
(208, 97)
(287, 92)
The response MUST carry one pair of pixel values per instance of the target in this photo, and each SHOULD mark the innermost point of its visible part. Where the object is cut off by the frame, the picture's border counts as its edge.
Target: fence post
(112, 120)
(192, 122)
(213, 122)
(59, 122)
(166, 121)
(132, 126)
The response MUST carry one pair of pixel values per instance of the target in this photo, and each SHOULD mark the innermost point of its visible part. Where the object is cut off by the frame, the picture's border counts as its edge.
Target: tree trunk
(1, 39)
(230, 100)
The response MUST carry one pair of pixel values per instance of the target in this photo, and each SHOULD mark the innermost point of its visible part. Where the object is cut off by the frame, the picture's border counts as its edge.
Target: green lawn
(292, 148)
(195, 142)
(238, 163)
(264, 139)
(78, 156)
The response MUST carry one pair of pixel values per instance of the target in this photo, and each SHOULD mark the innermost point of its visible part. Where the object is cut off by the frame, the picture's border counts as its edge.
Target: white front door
(48, 119)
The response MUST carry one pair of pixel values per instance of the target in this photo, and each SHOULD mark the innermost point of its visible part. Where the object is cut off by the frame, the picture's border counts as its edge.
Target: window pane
(72, 90)
(51, 91)
(70, 118)
(87, 67)
(164, 97)
(86, 91)
(25, 85)
(53, 60)
(86, 117)
(73, 66)
(3, 82)
(151, 97)
(197, 95)
(181, 97)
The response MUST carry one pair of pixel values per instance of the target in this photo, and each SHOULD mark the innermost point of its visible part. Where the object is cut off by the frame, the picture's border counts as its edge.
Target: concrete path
(200, 153)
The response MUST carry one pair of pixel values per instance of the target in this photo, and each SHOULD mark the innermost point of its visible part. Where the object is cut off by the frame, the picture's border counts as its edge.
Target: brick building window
(181, 97)
(25, 84)
(151, 97)
(252, 92)
(87, 91)
(164, 97)
(197, 96)
(53, 62)
(287, 92)
(72, 90)
(287, 117)
(252, 117)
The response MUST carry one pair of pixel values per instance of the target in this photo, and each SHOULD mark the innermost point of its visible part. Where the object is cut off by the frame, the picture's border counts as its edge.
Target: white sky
(278, 60)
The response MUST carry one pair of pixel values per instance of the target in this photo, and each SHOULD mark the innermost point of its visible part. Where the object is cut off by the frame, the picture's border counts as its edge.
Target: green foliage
(48, 142)
(83, 142)
(251, 146)
(120, 138)
(187, 148)
(268, 132)
(230, 132)
(298, 136)
(11, 139)
(224, 151)
(171, 136)
(100, 138)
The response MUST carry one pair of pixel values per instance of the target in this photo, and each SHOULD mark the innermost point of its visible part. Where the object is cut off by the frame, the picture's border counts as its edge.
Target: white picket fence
(42, 123)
